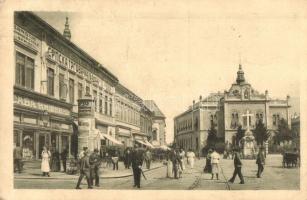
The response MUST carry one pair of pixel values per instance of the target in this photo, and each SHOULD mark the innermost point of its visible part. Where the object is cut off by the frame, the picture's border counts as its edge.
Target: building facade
(226, 112)
(52, 76)
(158, 124)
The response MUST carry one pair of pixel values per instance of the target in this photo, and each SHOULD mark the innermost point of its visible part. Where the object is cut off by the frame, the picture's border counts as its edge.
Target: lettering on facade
(67, 63)
(25, 38)
(24, 101)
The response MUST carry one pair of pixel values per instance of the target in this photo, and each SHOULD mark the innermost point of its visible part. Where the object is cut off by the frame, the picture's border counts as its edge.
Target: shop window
(50, 81)
(71, 90)
(24, 74)
(28, 145)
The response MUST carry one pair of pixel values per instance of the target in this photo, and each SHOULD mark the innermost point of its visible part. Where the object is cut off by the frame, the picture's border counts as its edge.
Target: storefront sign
(24, 101)
(26, 38)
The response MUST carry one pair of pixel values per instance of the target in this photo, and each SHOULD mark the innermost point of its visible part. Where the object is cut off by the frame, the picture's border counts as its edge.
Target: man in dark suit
(84, 170)
(260, 161)
(137, 162)
(94, 161)
(17, 158)
(64, 158)
(237, 165)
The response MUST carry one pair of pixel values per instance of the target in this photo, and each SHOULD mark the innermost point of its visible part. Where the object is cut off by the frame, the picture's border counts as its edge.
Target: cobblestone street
(274, 177)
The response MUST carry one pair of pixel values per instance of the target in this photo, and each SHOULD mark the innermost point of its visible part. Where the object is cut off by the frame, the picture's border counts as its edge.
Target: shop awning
(141, 142)
(109, 137)
(146, 143)
(149, 144)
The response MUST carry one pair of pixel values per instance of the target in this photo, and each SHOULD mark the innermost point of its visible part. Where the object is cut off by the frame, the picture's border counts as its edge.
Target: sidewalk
(32, 171)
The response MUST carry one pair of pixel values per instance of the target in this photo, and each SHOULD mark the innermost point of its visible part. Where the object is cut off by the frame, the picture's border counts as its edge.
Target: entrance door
(41, 144)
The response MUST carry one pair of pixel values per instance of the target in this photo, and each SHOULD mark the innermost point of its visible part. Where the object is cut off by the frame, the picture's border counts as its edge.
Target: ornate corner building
(225, 111)
(54, 82)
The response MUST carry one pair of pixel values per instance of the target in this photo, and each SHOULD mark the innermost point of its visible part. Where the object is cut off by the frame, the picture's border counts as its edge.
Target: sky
(173, 54)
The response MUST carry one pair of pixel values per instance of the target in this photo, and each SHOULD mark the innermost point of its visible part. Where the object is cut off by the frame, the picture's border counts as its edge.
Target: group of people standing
(89, 168)
(212, 164)
(176, 162)
(51, 161)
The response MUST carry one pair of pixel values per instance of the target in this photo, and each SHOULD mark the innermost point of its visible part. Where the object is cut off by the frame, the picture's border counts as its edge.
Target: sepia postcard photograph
(153, 99)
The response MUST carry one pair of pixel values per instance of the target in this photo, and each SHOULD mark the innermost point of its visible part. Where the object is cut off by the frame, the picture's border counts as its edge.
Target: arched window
(234, 120)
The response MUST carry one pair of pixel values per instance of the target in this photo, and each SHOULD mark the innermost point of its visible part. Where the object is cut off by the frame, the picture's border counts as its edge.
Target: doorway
(41, 144)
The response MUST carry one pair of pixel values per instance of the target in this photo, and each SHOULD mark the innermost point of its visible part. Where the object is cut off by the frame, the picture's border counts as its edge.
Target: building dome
(240, 75)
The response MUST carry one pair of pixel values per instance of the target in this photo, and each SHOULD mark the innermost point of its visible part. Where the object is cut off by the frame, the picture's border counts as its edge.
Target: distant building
(295, 125)
(225, 111)
(158, 123)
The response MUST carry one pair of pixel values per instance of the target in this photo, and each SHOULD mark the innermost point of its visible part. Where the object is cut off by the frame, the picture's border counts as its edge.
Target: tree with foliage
(212, 136)
(283, 132)
(239, 135)
(261, 133)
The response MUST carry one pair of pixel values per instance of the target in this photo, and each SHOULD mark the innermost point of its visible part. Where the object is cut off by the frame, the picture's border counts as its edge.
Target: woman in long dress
(191, 158)
(45, 162)
(182, 156)
(169, 171)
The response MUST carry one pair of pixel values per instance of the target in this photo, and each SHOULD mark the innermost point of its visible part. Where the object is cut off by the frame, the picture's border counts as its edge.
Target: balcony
(104, 118)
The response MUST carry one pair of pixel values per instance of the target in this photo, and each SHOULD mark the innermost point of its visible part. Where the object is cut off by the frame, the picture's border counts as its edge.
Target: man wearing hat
(260, 161)
(137, 162)
(94, 161)
(237, 165)
(84, 170)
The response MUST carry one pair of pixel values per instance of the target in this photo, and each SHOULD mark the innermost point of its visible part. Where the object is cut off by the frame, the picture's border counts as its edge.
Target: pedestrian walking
(176, 161)
(45, 161)
(64, 158)
(208, 167)
(17, 158)
(84, 170)
(81, 154)
(260, 161)
(115, 158)
(215, 159)
(191, 158)
(137, 162)
(147, 158)
(94, 161)
(169, 164)
(55, 160)
(238, 166)
(182, 156)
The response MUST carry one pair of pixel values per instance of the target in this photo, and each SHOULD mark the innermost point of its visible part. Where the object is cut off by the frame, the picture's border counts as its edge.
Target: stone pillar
(87, 134)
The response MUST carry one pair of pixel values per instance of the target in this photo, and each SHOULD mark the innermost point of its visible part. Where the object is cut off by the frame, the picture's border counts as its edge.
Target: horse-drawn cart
(290, 159)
